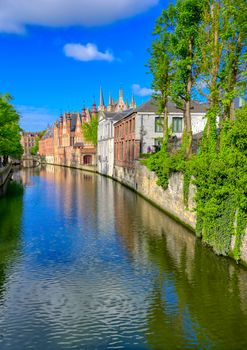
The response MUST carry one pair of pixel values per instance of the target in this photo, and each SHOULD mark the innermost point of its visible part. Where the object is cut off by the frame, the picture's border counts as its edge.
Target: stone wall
(4, 173)
(170, 200)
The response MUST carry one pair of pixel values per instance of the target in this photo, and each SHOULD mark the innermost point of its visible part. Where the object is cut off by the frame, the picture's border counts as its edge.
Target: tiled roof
(115, 116)
(150, 106)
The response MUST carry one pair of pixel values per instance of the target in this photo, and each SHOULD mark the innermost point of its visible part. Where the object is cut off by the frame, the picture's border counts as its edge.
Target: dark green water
(87, 264)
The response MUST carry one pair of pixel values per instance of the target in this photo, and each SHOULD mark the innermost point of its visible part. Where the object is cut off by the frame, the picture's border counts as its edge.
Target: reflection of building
(140, 131)
(28, 140)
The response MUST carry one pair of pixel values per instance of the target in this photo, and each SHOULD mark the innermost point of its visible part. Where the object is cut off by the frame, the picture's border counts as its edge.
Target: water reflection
(97, 267)
(11, 203)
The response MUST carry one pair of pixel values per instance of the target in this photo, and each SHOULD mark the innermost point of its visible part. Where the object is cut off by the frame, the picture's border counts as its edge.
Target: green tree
(34, 150)
(9, 129)
(186, 16)
(160, 66)
(219, 169)
(234, 60)
(90, 130)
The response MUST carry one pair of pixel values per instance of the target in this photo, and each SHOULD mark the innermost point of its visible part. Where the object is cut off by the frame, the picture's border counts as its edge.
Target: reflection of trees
(198, 300)
(11, 205)
(165, 327)
(205, 307)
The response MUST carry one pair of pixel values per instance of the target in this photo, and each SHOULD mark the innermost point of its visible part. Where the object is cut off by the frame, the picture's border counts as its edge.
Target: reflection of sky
(99, 268)
(73, 285)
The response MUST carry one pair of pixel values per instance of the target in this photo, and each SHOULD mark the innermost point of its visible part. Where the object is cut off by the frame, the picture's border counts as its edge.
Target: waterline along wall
(171, 200)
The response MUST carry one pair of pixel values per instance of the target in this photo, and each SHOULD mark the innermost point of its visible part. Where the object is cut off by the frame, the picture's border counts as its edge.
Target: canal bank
(171, 201)
(4, 173)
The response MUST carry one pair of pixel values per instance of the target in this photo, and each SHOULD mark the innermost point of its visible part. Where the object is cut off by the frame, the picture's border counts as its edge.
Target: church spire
(101, 98)
(133, 102)
(110, 100)
(121, 93)
(101, 101)
(110, 104)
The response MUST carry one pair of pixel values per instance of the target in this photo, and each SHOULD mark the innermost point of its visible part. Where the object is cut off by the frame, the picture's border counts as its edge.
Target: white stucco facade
(149, 133)
(105, 148)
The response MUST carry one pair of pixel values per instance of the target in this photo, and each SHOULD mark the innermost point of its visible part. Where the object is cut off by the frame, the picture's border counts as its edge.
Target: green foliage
(163, 164)
(206, 42)
(9, 129)
(34, 150)
(159, 163)
(221, 182)
(90, 130)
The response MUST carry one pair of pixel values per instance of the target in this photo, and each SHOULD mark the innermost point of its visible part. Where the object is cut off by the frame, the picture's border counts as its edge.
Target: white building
(149, 125)
(105, 146)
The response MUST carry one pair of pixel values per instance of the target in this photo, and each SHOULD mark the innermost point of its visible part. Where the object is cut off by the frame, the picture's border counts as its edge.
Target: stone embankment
(4, 173)
(171, 200)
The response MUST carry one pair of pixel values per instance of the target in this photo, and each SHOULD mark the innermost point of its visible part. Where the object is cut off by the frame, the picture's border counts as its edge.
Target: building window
(157, 144)
(87, 160)
(177, 124)
(159, 124)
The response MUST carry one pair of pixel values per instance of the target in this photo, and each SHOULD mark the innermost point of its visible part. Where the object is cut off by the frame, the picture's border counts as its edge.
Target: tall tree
(234, 60)
(9, 129)
(210, 52)
(222, 57)
(161, 69)
(186, 16)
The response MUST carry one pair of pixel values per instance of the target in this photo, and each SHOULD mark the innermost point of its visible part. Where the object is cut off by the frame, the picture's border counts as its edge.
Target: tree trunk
(165, 126)
(187, 134)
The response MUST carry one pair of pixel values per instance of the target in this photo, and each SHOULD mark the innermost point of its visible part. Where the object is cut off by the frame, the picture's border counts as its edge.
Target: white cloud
(15, 15)
(36, 118)
(88, 52)
(139, 91)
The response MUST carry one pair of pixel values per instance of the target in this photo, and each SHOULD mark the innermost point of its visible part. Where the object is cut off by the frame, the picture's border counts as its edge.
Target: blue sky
(56, 54)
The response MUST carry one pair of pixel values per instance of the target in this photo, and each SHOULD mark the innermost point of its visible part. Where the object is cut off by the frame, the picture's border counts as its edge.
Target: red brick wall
(126, 147)
(46, 147)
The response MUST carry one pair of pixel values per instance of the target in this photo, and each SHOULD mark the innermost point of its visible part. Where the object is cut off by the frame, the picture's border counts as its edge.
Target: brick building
(28, 140)
(141, 131)
(126, 144)
(46, 145)
(64, 143)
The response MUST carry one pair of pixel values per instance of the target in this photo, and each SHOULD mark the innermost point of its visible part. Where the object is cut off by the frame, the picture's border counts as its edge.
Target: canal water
(87, 264)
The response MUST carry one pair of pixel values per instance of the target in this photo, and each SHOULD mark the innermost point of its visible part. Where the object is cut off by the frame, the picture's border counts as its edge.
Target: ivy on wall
(219, 172)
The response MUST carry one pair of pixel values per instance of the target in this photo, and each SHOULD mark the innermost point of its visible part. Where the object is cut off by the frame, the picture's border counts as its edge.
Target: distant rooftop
(151, 106)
